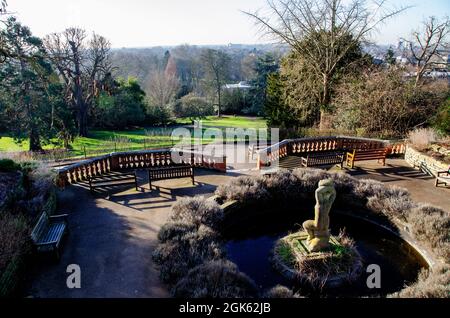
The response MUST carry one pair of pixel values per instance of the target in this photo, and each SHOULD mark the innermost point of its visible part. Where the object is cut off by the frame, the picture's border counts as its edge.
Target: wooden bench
(443, 177)
(366, 154)
(113, 179)
(323, 159)
(167, 173)
(48, 232)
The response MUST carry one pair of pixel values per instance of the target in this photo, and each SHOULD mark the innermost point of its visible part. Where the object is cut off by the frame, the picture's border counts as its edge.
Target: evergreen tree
(277, 112)
(264, 66)
(28, 87)
(389, 57)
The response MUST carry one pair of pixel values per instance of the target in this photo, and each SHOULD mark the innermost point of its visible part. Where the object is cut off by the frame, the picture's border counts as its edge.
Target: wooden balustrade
(83, 170)
(297, 147)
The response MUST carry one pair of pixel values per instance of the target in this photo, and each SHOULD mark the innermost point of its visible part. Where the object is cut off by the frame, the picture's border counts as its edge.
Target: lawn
(104, 141)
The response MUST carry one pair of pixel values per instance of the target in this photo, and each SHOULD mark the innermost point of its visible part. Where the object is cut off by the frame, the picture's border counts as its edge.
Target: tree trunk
(35, 141)
(82, 121)
(324, 102)
(219, 104)
(419, 75)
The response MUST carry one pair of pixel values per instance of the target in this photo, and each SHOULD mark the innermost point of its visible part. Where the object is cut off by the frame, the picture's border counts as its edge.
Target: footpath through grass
(105, 141)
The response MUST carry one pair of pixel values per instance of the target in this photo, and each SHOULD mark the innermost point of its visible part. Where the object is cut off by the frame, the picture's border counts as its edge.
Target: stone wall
(423, 162)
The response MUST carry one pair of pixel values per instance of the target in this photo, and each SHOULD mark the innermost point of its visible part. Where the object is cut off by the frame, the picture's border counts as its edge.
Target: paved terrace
(112, 236)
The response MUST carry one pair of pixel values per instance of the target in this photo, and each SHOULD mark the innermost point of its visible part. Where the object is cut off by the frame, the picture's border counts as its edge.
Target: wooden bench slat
(322, 159)
(168, 173)
(48, 233)
(365, 155)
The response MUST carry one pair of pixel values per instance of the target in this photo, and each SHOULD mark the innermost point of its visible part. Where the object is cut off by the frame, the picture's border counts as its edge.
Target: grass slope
(138, 139)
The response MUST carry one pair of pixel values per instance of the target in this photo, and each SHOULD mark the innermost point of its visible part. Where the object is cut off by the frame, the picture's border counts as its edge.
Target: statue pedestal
(330, 267)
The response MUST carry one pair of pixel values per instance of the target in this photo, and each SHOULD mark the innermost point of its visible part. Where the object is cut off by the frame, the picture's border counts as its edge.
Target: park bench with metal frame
(323, 159)
(443, 177)
(48, 233)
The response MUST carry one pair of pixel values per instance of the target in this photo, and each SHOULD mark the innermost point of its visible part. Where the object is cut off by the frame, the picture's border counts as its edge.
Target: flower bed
(193, 237)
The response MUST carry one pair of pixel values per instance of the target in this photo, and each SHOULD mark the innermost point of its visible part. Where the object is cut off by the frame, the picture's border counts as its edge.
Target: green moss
(285, 252)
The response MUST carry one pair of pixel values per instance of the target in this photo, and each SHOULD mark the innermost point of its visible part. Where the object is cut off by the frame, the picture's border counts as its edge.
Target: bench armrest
(440, 173)
(350, 155)
(62, 217)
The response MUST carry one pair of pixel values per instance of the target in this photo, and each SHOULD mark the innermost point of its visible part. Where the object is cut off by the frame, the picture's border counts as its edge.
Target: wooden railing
(297, 147)
(83, 170)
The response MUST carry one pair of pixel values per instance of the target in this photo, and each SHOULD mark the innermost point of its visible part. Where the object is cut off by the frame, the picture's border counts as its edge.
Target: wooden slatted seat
(323, 159)
(113, 179)
(48, 232)
(443, 178)
(365, 155)
(167, 173)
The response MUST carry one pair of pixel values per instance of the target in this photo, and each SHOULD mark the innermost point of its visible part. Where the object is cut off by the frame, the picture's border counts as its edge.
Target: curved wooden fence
(297, 147)
(83, 170)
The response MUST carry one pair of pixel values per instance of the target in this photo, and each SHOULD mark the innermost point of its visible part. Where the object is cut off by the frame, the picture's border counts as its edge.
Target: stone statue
(318, 229)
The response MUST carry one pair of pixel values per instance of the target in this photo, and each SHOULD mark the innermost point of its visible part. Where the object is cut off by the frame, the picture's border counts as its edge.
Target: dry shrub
(279, 291)
(175, 231)
(394, 203)
(309, 178)
(198, 211)
(431, 225)
(42, 177)
(343, 182)
(243, 189)
(14, 238)
(178, 255)
(430, 284)
(216, 279)
(422, 138)
(369, 188)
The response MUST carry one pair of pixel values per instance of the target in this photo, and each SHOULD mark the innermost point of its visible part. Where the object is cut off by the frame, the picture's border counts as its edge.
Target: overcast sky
(142, 23)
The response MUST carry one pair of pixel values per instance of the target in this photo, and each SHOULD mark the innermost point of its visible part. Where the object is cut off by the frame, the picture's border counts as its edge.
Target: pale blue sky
(140, 23)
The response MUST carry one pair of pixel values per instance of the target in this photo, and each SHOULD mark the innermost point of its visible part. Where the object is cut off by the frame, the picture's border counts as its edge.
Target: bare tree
(82, 63)
(330, 27)
(425, 45)
(163, 88)
(216, 64)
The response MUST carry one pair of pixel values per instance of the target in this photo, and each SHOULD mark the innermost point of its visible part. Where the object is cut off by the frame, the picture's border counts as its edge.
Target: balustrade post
(114, 159)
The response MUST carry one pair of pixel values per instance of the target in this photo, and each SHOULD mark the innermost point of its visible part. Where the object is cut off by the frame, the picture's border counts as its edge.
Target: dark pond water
(399, 263)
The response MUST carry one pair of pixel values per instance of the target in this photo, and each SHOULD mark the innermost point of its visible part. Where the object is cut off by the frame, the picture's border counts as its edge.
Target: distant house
(240, 85)
(378, 61)
(402, 60)
(441, 59)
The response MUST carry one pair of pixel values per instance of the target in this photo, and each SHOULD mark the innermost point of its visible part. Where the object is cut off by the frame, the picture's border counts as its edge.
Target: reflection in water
(399, 263)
